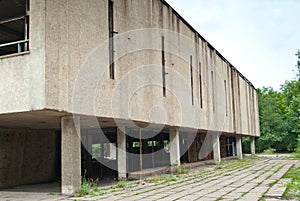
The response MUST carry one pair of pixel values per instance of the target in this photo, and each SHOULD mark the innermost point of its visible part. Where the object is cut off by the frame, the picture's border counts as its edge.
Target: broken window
(14, 26)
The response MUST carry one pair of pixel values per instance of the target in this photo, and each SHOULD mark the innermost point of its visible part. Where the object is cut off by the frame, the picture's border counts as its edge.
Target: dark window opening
(99, 153)
(163, 65)
(14, 26)
(135, 144)
(192, 80)
(226, 104)
(200, 80)
(143, 152)
(104, 150)
(230, 146)
(213, 90)
(111, 39)
(153, 143)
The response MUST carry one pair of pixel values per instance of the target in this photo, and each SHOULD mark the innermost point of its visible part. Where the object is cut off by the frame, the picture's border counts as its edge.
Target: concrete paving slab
(245, 183)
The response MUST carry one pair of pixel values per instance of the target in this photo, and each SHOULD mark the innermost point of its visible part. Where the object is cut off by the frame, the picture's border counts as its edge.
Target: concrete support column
(174, 146)
(121, 140)
(70, 155)
(252, 144)
(216, 147)
(233, 149)
(239, 151)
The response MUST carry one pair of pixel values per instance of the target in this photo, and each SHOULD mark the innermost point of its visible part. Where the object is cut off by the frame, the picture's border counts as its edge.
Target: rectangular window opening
(111, 39)
(135, 144)
(192, 80)
(163, 65)
(200, 81)
(226, 104)
(213, 90)
(14, 26)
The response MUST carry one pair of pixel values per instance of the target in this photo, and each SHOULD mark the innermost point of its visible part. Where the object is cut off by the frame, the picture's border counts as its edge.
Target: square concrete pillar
(70, 155)
(252, 144)
(233, 149)
(174, 146)
(121, 156)
(239, 151)
(216, 147)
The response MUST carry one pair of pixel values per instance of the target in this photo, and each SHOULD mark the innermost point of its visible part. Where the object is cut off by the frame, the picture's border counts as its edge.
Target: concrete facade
(241, 97)
(198, 89)
(57, 34)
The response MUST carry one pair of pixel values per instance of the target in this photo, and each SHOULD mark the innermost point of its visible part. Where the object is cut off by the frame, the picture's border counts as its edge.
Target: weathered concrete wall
(22, 86)
(27, 156)
(75, 28)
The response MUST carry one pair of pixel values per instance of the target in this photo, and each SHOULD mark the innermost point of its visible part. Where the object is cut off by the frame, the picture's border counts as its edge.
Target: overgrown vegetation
(297, 154)
(182, 169)
(269, 151)
(87, 186)
(236, 163)
(121, 184)
(279, 113)
(293, 188)
(164, 178)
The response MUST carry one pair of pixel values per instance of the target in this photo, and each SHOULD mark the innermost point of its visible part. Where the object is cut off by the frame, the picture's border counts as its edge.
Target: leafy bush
(269, 151)
(298, 146)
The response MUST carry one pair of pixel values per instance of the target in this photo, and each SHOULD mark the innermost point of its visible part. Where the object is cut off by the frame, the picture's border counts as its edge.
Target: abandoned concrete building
(163, 95)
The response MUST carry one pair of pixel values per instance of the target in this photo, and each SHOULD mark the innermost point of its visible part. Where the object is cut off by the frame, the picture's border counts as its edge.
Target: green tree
(272, 116)
(295, 103)
(291, 92)
(279, 115)
(298, 66)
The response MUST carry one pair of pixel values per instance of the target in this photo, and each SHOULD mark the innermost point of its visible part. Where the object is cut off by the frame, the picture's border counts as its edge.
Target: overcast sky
(259, 37)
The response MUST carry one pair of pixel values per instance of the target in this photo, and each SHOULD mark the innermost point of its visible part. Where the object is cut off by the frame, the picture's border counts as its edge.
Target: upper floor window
(14, 26)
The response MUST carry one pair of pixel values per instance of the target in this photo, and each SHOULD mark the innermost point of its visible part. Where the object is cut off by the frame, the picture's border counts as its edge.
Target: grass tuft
(121, 184)
(87, 186)
(293, 188)
(182, 169)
